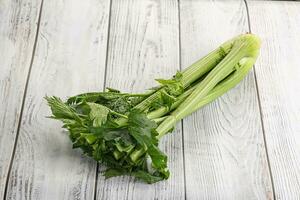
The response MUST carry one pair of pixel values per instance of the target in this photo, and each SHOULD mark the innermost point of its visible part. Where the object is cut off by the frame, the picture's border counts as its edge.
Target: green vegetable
(122, 130)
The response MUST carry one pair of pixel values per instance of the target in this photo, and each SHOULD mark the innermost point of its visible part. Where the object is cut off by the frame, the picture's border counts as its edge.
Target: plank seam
(104, 85)
(23, 101)
(180, 68)
(260, 110)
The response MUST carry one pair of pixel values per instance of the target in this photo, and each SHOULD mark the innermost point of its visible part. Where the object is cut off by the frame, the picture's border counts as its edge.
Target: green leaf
(141, 128)
(98, 97)
(124, 148)
(119, 105)
(147, 177)
(167, 99)
(178, 76)
(97, 152)
(108, 133)
(163, 100)
(114, 172)
(60, 110)
(173, 86)
(98, 114)
(159, 160)
(90, 138)
(109, 89)
(69, 123)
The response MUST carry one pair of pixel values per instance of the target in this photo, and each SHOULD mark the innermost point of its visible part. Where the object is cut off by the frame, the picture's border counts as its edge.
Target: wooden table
(245, 145)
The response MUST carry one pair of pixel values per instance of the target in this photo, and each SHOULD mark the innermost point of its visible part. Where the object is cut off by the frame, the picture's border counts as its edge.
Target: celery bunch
(122, 130)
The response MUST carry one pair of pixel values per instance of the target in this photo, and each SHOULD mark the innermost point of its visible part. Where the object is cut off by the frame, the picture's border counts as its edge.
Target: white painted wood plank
(17, 35)
(69, 59)
(224, 148)
(278, 74)
(144, 45)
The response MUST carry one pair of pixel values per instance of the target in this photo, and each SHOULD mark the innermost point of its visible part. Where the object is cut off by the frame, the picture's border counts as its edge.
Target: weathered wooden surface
(278, 75)
(228, 150)
(17, 35)
(69, 58)
(223, 142)
(144, 44)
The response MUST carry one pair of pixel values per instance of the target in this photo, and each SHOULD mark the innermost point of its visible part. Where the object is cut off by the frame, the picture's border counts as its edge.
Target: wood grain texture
(17, 35)
(223, 142)
(278, 74)
(143, 45)
(69, 59)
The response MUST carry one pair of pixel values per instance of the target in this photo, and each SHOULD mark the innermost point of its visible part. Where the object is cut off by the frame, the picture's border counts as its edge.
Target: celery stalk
(195, 71)
(242, 56)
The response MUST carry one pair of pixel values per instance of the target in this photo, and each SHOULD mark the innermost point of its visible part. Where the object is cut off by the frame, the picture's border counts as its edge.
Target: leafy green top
(127, 150)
